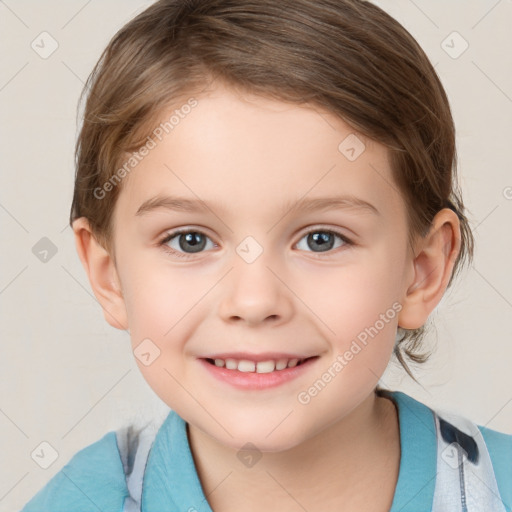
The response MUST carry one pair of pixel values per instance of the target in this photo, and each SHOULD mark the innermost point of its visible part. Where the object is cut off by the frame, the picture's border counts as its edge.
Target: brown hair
(347, 56)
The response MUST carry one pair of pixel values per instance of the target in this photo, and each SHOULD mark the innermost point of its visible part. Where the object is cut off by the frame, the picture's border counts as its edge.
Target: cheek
(162, 301)
(351, 297)
(358, 308)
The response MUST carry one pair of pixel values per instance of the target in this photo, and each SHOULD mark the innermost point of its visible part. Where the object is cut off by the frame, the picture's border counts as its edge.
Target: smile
(245, 365)
(259, 375)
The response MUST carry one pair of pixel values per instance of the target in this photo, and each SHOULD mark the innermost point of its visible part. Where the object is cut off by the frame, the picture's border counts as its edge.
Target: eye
(186, 240)
(323, 240)
(184, 243)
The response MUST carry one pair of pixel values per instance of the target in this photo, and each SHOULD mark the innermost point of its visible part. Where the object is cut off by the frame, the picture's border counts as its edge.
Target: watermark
(342, 360)
(44, 45)
(351, 147)
(164, 128)
(249, 455)
(44, 455)
(146, 351)
(507, 192)
(454, 45)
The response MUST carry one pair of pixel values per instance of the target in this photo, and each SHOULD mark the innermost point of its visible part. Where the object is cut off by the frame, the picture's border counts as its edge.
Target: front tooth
(231, 364)
(265, 366)
(246, 366)
(219, 362)
(281, 364)
(292, 363)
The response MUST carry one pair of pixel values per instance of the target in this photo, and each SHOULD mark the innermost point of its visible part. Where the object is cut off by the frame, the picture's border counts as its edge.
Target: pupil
(194, 241)
(321, 239)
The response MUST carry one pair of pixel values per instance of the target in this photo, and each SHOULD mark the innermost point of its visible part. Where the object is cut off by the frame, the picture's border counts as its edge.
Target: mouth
(257, 372)
(264, 366)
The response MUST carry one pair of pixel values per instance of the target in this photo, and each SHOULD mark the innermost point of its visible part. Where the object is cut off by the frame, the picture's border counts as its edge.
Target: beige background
(67, 377)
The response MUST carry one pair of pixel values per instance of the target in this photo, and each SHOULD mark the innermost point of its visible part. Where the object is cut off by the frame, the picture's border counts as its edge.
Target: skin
(248, 156)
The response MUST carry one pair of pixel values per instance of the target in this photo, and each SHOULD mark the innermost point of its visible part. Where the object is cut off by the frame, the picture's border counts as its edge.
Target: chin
(258, 436)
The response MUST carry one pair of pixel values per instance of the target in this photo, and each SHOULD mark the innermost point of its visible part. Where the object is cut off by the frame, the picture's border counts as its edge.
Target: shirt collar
(418, 460)
(171, 478)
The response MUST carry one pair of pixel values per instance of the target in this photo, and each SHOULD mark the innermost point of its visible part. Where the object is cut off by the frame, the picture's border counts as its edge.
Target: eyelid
(324, 227)
(171, 234)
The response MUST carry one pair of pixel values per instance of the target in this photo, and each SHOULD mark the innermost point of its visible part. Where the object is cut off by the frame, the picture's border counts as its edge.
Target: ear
(102, 274)
(432, 268)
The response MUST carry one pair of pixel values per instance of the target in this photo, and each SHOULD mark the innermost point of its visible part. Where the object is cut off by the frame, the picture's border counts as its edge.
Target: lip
(262, 356)
(257, 381)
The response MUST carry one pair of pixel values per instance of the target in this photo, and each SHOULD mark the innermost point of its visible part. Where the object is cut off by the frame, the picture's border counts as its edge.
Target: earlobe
(102, 274)
(433, 266)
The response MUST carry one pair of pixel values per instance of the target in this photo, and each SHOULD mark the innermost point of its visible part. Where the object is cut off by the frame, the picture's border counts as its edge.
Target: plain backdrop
(67, 377)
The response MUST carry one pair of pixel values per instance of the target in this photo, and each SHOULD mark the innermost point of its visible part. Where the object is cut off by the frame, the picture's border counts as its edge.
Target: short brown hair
(347, 56)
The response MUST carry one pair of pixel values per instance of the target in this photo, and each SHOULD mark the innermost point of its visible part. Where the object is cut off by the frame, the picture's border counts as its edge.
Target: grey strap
(465, 479)
(134, 446)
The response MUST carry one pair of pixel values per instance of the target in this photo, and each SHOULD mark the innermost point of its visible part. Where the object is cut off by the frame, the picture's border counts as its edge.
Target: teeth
(247, 366)
(281, 364)
(231, 364)
(265, 366)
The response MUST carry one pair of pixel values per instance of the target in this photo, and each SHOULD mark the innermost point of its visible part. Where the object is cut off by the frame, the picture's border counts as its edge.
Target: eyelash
(169, 236)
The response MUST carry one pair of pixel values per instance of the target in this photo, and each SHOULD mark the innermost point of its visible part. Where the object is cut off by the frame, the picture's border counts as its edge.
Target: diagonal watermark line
(388, 182)
(194, 305)
(493, 287)
(2, 497)
(14, 76)
(286, 491)
(323, 118)
(13, 217)
(416, 382)
(218, 485)
(492, 81)
(404, 508)
(501, 409)
(13, 423)
(69, 478)
(303, 196)
(13, 13)
(492, 211)
(202, 202)
(425, 14)
(491, 491)
(433, 431)
(199, 403)
(76, 14)
(96, 404)
(280, 423)
(83, 83)
(300, 299)
(91, 295)
(13, 279)
(499, 1)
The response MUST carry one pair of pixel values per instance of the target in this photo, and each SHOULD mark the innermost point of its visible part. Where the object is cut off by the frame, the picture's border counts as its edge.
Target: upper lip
(265, 356)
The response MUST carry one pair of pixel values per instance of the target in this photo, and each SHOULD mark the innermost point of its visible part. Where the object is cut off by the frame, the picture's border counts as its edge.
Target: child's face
(249, 160)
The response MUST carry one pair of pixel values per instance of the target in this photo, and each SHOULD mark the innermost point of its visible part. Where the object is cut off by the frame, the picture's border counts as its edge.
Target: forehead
(251, 153)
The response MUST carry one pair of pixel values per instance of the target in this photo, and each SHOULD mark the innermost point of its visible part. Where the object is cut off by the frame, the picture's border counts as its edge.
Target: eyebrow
(182, 204)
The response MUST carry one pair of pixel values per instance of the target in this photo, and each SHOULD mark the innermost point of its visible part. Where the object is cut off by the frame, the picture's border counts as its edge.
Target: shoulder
(93, 479)
(484, 458)
(468, 454)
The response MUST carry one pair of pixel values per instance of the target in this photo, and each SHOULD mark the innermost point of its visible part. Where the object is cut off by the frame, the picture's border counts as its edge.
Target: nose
(256, 292)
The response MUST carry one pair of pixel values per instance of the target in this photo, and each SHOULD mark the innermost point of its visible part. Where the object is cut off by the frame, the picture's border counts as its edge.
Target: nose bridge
(255, 291)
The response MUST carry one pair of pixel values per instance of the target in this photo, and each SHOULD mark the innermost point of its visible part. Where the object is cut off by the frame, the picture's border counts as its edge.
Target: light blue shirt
(446, 465)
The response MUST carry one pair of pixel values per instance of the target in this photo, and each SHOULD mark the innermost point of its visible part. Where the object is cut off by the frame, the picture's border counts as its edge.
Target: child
(255, 131)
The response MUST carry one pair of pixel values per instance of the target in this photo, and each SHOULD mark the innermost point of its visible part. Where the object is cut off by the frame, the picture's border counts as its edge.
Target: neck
(341, 464)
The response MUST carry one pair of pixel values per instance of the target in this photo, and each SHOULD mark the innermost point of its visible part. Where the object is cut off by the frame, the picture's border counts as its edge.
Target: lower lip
(253, 380)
